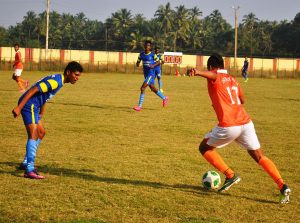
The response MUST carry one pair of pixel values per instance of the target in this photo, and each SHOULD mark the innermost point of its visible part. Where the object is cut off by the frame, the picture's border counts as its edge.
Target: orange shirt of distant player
(18, 60)
(224, 93)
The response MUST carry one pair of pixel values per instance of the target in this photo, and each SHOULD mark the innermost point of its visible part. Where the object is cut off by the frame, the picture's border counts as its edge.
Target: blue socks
(24, 162)
(142, 97)
(31, 148)
(161, 95)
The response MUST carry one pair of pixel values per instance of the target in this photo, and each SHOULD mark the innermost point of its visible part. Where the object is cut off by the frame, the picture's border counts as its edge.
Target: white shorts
(244, 135)
(18, 72)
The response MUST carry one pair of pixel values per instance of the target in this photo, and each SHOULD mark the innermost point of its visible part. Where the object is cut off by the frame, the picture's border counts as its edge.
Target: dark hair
(148, 41)
(215, 61)
(157, 48)
(73, 66)
(17, 44)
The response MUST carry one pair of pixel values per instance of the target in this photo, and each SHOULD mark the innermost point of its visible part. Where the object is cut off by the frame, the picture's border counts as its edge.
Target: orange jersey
(224, 93)
(18, 60)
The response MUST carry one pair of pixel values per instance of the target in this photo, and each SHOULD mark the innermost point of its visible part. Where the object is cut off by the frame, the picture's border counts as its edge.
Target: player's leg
(21, 87)
(23, 84)
(245, 75)
(249, 140)
(273, 172)
(159, 94)
(34, 130)
(218, 138)
(158, 75)
(142, 96)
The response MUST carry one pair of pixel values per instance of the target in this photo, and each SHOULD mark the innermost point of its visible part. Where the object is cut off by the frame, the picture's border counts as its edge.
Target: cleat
(246, 80)
(229, 182)
(33, 175)
(284, 196)
(165, 101)
(137, 108)
(161, 90)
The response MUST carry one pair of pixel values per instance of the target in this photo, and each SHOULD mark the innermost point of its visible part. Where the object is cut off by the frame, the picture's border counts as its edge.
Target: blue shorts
(149, 76)
(157, 71)
(31, 114)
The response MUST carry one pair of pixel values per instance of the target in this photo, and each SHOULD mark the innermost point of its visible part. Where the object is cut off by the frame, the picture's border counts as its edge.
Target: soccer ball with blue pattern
(211, 180)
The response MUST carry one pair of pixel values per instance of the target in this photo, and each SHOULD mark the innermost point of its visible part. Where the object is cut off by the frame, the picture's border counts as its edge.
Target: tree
(181, 26)
(249, 23)
(164, 15)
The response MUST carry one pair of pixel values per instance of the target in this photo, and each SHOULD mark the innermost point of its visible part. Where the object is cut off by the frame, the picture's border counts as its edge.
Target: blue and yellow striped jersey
(148, 59)
(48, 87)
(160, 59)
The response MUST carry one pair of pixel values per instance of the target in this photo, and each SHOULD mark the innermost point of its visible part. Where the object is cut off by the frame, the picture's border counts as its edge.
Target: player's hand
(191, 72)
(151, 66)
(16, 112)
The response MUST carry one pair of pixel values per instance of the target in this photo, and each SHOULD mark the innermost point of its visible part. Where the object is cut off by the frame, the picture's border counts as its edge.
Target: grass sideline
(106, 163)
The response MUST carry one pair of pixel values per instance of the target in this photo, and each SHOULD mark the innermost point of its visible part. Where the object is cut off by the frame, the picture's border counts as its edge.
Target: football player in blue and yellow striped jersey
(157, 69)
(150, 61)
(31, 106)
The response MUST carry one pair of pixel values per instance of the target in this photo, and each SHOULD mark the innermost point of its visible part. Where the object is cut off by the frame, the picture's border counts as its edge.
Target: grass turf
(105, 162)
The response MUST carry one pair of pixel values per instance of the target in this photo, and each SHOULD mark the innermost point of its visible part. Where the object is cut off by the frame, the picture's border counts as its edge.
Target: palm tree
(121, 21)
(249, 23)
(137, 40)
(164, 15)
(181, 25)
(194, 14)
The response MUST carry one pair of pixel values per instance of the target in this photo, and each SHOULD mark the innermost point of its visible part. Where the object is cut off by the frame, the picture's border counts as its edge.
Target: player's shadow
(87, 174)
(250, 198)
(283, 99)
(108, 107)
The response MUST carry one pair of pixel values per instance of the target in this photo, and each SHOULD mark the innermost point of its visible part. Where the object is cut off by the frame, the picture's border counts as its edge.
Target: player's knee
(257, 155)
(152, 87)
(203, 147)
(41, 133)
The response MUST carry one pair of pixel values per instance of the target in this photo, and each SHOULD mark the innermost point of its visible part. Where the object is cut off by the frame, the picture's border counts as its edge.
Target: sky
(13, 11)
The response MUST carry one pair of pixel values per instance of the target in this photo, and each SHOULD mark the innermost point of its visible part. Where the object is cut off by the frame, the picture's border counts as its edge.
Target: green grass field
(106, 163)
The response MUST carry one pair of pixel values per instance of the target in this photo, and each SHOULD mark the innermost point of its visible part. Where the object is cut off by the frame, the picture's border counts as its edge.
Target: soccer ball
(211, 180)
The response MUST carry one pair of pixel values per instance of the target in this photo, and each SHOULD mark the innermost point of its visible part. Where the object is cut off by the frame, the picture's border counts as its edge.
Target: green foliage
(174, 29)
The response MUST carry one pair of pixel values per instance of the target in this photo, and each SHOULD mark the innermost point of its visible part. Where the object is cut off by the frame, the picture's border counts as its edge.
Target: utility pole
(47, 28)
(235, 33)
(106, 38)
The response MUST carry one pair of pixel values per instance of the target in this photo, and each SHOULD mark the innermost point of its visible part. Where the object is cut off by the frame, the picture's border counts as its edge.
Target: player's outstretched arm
(204, 73)
(17, 110)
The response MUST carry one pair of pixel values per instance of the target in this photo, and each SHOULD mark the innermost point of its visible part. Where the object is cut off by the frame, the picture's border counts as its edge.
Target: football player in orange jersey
(234, 125)
(23, 84)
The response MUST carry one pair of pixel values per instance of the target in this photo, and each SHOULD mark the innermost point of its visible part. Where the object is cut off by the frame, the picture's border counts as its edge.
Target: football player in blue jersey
(157, 69)
(150, 61)
(31, 106)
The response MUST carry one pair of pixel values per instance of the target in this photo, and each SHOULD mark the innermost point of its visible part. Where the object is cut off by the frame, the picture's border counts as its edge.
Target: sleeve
(155, 58)
(139, 59)
(48, 85)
